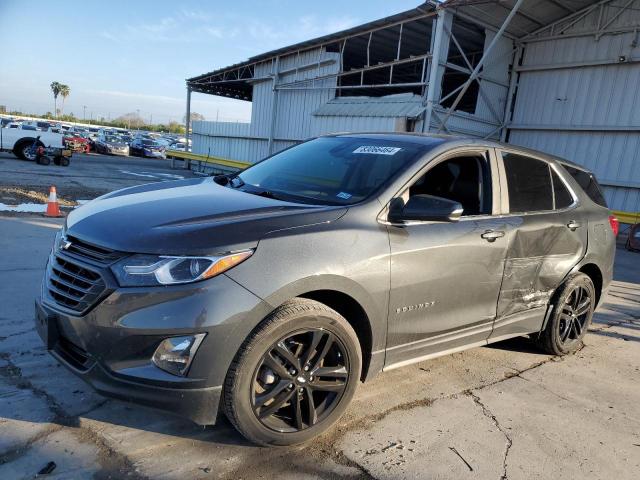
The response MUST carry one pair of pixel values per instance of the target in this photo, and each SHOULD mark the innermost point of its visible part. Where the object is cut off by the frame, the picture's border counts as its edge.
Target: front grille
(72, 285)
(98, 254)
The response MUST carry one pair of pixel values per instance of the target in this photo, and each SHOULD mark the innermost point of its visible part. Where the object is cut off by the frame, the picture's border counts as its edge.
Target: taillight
(615, 225)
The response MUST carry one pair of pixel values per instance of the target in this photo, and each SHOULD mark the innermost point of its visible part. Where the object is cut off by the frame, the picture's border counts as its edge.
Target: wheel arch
(595, 274)
(21, 141)
(357, 317)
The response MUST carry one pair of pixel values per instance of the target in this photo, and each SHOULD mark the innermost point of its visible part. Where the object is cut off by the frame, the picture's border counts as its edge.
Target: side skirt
(515, 325)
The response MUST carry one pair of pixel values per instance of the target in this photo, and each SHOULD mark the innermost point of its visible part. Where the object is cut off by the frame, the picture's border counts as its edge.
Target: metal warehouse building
(561, 76)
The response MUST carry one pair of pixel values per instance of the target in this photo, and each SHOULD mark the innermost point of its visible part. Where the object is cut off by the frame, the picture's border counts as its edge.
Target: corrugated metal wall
(586, 113)
(294, 115)
(574, 99)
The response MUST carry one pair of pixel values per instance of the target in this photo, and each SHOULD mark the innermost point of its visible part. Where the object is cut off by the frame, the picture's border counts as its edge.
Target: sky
(126, 56)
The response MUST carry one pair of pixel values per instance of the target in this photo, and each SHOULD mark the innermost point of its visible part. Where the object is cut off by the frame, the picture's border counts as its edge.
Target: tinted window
(561, 192)
(588, 183)
(529, 182)
(332, 170)
(28, 127)
(463, 179)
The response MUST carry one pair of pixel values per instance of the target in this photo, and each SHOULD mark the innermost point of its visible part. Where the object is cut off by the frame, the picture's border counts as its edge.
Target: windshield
(151, 143)
(330, 170)
(112, 139)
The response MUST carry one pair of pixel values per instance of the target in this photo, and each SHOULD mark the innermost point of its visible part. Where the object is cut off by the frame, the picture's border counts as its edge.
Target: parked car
(177, 146)
(633, 238)
(111, 144)
(271, 293)
(20, 139)
(143, 147)
(76, 142)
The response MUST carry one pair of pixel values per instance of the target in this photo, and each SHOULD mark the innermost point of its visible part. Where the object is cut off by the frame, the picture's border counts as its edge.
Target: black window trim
(505, 191)
(496, 183)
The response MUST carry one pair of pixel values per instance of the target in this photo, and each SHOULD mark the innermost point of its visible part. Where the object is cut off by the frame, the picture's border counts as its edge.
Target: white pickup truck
(19, 140)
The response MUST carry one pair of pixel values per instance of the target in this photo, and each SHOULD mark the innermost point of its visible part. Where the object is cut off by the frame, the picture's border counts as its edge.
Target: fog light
(174, 355)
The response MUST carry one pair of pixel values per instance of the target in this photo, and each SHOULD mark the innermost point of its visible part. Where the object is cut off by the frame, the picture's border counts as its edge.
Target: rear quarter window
(588, 183)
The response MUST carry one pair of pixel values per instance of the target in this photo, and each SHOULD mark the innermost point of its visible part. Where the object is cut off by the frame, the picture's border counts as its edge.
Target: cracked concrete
(505, 411)
(487, 413)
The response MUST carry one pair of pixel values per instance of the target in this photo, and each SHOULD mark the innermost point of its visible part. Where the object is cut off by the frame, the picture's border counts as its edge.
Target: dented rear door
(547, 240)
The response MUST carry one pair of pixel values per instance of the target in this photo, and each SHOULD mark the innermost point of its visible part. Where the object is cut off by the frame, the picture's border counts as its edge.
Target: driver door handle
(572, 225)
(491, 235)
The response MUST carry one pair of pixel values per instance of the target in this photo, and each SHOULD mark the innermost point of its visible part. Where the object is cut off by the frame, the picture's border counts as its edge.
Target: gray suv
(269, 294)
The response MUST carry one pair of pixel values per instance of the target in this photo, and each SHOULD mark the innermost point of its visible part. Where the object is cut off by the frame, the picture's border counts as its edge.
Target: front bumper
(111, 345)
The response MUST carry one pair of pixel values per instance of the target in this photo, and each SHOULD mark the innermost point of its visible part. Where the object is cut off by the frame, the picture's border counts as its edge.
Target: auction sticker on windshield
(377, 150)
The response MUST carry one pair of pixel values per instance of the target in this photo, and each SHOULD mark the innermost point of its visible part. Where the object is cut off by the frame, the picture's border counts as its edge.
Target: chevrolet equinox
(269, 294)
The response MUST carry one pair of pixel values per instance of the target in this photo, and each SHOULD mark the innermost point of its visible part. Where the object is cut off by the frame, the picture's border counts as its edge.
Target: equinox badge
(419, 306)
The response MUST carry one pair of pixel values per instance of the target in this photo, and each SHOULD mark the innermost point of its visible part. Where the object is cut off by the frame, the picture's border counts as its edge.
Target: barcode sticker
(377, 150)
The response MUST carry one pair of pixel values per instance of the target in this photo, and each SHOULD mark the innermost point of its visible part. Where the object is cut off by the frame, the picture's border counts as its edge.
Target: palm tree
(55, 88)
(64, 93)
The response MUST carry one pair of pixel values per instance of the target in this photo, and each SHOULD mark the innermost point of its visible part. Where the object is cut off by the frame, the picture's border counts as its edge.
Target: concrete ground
(505, 411)
(87, 177)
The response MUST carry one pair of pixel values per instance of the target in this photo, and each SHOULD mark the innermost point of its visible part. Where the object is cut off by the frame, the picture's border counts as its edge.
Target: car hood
(188, 217)
(115, 145)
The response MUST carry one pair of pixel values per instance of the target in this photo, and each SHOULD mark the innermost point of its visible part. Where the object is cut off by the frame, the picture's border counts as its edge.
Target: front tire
(294, 376)
(571, 316)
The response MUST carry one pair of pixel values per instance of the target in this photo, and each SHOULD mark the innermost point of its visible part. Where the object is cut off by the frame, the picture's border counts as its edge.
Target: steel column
(274, 106)
(187, 125)
(513, 83)
(476, 70)
(432, 84)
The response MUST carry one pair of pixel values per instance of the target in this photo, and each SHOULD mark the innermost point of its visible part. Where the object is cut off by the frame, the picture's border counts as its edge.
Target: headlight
(174, 355)
(150, 270)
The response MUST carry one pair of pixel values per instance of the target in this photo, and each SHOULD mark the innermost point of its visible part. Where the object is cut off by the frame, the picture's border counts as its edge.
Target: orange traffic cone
(53, 209)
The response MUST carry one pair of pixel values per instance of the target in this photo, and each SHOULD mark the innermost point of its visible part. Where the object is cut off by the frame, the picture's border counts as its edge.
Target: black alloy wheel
(573, 306)
(574, 315)
(300, 380)
(294, 375)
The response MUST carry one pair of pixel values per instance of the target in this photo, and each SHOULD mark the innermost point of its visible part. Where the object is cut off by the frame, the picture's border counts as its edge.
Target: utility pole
(84, 113)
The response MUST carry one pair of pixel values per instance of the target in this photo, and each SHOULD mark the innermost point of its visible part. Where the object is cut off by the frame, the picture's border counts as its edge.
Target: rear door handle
(573, 225)
(491, 235)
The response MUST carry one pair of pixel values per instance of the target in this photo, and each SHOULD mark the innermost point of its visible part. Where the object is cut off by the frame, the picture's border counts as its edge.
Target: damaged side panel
(540, 254)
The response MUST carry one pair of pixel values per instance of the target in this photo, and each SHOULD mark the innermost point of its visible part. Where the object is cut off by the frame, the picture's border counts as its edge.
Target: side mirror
(425, 208)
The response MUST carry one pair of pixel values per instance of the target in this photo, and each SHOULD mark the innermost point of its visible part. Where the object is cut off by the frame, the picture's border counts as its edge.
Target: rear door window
(529, 183)
(589, 184)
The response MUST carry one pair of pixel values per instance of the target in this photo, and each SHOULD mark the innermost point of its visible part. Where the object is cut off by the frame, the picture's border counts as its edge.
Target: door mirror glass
(425, 208)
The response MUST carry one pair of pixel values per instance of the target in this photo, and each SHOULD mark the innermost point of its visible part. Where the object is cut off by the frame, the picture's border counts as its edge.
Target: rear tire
(294, 376)
(64, 161)
(571, 316)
